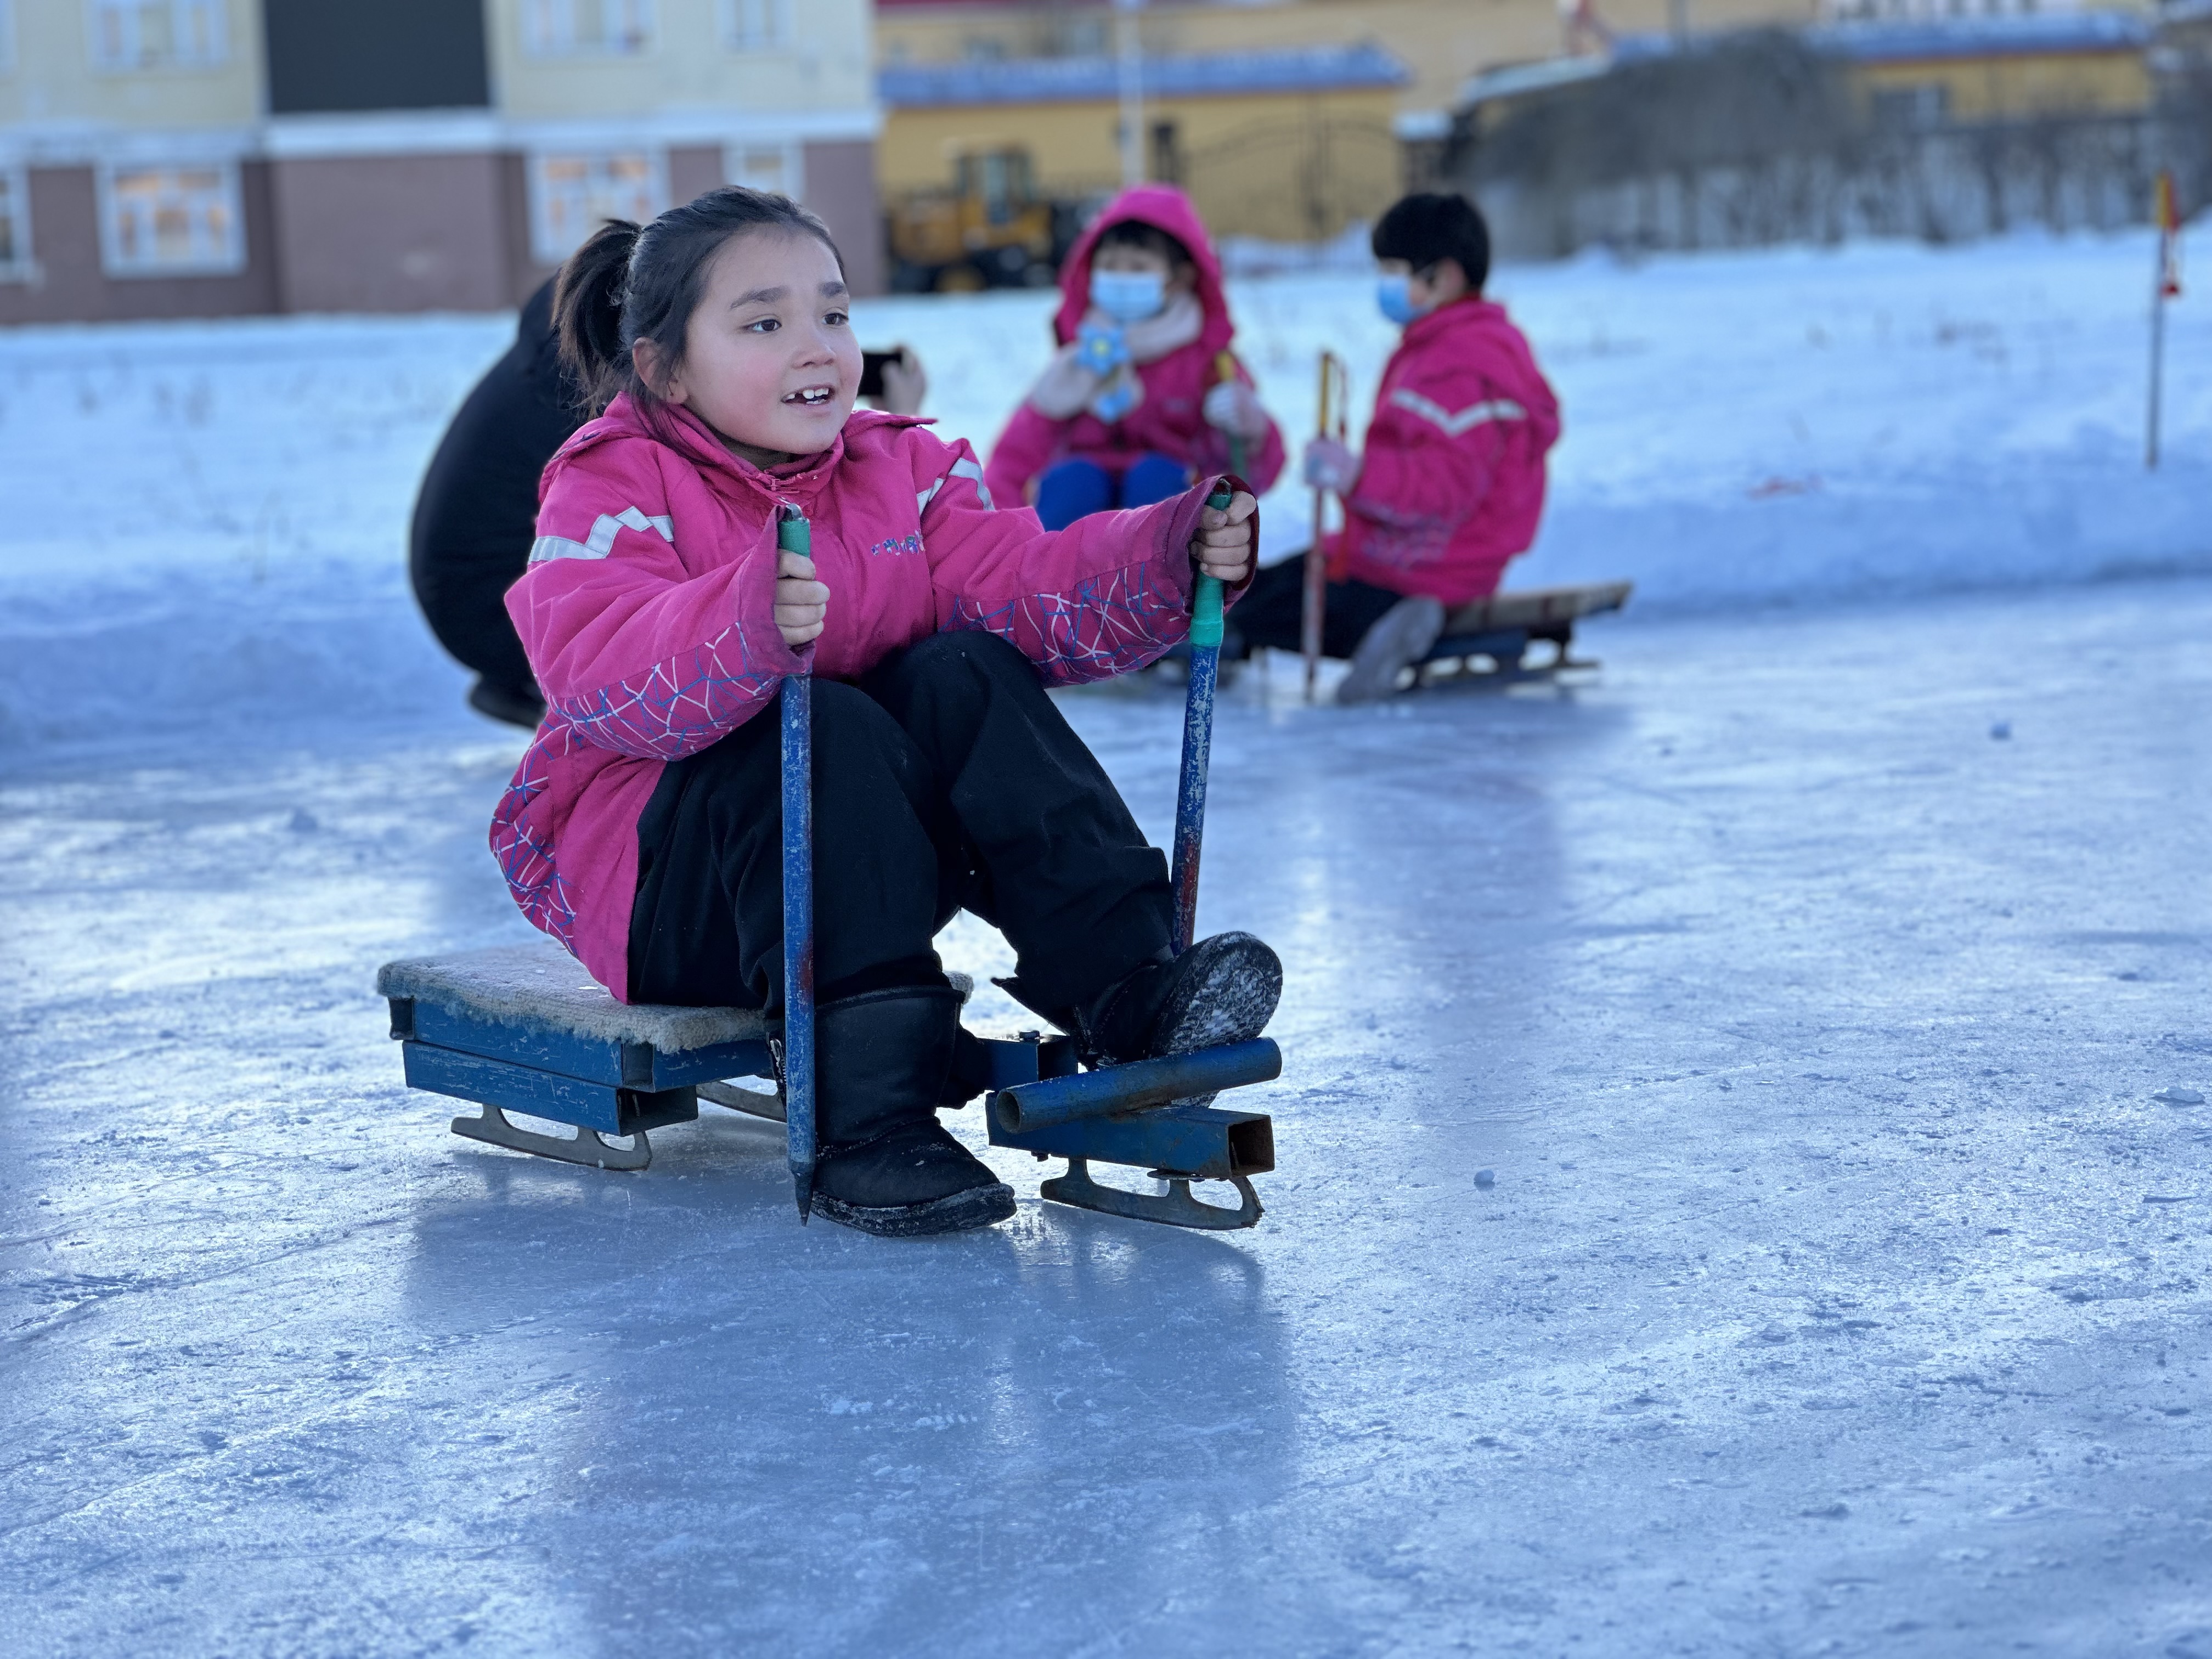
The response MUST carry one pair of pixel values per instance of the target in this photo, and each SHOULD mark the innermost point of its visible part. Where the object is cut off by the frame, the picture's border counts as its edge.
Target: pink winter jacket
(647, 615)
(1451, 484)
(1170, 421)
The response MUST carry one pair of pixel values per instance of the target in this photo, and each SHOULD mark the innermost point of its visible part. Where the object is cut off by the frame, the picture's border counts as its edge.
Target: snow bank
(211, 518)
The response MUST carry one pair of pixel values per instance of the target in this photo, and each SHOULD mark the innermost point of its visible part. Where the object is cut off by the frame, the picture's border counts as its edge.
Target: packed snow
(213, 516)
(1819, 986)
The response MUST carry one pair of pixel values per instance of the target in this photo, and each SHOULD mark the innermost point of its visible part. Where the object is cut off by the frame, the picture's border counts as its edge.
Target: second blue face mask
(1394, 302)
(1128, 296)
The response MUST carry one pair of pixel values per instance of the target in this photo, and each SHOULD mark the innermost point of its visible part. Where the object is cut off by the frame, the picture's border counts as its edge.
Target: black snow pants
(1268, 614)
(945, 779)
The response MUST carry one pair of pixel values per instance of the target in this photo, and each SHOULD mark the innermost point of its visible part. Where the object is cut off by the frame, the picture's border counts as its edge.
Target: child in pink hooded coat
(1142, 395)
(641, 829)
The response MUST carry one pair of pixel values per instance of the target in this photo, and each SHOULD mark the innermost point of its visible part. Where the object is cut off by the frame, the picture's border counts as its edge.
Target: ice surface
(1841, 1287)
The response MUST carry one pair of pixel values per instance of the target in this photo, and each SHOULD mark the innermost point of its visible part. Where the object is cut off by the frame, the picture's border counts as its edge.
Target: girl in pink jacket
(1142, 394)
(642, 827)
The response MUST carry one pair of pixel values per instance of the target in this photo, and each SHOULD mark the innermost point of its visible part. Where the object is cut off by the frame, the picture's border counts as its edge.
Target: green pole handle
(794, 535)
(1205, 602)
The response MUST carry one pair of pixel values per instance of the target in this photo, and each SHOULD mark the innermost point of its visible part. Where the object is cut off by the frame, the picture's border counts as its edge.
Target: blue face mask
(1128, 296)
(1395, 303)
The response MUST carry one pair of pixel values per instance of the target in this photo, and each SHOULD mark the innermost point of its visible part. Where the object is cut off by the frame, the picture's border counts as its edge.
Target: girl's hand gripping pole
(793, 536)
(1197, 743)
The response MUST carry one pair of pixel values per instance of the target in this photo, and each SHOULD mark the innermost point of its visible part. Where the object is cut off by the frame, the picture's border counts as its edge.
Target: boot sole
(1231, 1000)
(957, 1213)
(1401, 637)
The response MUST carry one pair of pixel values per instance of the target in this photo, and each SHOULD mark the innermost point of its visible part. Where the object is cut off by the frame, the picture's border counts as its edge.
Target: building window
(757, 25)
(15, 225)
(574, 29)
(570, 195)
(170, 221)
(153, 34)
(766, 166)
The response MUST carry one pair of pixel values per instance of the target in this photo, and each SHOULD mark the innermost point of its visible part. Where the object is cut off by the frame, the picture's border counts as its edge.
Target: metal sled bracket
(586, 1146)
(1174, 1208)
(752, 1103)
(1039, 1102)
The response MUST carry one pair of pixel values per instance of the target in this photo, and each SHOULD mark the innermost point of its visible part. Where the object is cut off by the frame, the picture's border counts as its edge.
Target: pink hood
(1170, 421)
(1164, 208)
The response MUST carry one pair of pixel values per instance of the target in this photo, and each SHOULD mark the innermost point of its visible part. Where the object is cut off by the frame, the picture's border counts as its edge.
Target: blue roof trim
(1982, 37)
(1085, 80)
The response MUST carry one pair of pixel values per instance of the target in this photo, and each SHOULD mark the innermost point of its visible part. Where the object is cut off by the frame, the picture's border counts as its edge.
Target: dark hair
(1135, 232)
(626, 285)
(1426, 227)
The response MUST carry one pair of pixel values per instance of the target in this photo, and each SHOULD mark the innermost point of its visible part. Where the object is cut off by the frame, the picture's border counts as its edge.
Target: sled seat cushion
(540, 986)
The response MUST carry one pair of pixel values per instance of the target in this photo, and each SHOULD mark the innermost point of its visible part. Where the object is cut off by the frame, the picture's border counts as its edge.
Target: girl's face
(770, 358)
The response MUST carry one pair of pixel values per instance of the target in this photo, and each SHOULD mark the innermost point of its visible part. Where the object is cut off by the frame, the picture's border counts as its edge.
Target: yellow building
(1440, 42)
(1288, 144)
(1967, 70)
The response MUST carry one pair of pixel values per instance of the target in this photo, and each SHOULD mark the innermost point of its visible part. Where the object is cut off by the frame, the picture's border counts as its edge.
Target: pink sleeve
(1432, 458)
(635, 652)
(1023, 450)
(1108, 595)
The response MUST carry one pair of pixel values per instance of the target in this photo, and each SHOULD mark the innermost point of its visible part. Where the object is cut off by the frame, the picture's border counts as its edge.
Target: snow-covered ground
(1825, 985)
(212, 519)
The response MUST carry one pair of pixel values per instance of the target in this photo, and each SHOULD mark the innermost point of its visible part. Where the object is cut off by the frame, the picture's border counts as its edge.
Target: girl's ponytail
(587, 312)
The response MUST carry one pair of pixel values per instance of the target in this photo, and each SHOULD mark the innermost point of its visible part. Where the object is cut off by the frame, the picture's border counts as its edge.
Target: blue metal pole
(793, 536)
(1197, 744)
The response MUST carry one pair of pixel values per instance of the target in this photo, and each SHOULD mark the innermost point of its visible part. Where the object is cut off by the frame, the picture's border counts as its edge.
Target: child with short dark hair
(641, 829)
(1142, 394)
(1452, 482)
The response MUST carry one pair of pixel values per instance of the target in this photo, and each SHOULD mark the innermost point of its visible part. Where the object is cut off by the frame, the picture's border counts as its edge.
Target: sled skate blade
(586, 1147)
(749, 1102)
(1173, 1208)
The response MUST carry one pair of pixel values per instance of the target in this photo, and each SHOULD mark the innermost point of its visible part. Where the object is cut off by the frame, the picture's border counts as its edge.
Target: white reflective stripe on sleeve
(962, 468)
(1498, 408)
(601, 541)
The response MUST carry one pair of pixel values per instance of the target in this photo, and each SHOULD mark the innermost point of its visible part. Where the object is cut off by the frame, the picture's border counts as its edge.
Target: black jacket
(478, 512)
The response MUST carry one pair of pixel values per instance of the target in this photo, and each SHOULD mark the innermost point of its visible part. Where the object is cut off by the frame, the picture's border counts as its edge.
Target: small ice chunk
(2179, 1097)
(1485, 1177)
(302, 822)
(2001, 730)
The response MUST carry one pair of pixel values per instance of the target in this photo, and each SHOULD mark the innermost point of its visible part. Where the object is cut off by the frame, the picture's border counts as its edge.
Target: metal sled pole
(1314, 596)
(1197, 744)
(791, 536)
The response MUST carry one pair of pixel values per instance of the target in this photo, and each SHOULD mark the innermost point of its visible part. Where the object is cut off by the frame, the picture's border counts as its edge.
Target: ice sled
(523, 1028)
(1487, 643)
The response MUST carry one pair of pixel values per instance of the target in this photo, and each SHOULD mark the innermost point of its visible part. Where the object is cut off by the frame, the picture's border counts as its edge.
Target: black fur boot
(886, 1166)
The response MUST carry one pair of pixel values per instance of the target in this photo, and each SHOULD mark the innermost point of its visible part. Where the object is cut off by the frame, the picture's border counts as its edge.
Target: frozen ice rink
(1825, 989)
